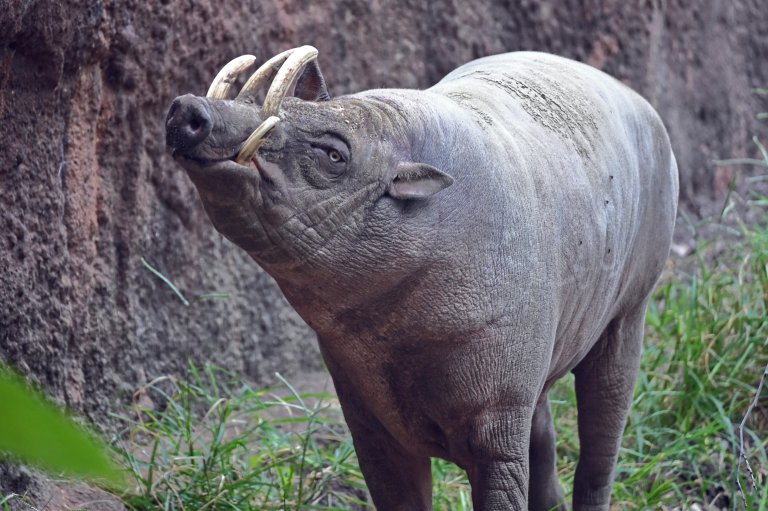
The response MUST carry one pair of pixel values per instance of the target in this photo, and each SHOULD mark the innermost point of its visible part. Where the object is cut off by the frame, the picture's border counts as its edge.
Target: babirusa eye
(335, 156)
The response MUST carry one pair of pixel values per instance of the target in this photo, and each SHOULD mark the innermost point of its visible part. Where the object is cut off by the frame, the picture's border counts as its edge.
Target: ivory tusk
(265, 73)
(222, 84)
(286, 77)
(253, 142)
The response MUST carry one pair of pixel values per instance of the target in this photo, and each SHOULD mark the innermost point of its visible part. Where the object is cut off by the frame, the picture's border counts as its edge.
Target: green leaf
(34, 431)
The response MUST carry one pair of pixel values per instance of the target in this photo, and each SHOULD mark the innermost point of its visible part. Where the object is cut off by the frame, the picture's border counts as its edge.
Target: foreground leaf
(36, 432)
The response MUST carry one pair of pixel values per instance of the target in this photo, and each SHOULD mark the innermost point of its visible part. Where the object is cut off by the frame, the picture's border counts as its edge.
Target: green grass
(218, 444)
(708, 346)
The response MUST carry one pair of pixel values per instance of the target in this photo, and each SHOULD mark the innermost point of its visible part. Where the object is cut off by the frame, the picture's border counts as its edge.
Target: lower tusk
(221, 86)
(253, 142)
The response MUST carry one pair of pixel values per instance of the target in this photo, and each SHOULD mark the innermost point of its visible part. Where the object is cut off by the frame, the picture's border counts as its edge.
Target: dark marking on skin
(464, 100)
(555, 106)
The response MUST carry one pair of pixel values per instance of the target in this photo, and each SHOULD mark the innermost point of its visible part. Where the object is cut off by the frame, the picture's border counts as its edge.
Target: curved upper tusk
(251, 145)
(222, 84)
(265, 73)
(286, 77)
(286, 65)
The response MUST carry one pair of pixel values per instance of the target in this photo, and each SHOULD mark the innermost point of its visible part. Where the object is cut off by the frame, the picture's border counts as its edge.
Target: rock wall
(87, 189)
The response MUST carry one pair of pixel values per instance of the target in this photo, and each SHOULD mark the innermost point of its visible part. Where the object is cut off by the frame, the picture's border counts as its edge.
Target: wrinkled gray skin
(446, 308)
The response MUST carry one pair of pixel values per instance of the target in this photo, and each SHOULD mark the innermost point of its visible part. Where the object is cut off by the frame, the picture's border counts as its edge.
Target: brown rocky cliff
(87, 189)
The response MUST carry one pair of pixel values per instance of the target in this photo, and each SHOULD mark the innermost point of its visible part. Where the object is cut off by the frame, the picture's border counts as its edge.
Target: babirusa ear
(417, 181)
(311, 84)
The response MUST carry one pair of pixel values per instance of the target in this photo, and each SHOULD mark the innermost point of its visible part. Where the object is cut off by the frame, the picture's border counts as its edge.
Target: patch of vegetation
(216, 444)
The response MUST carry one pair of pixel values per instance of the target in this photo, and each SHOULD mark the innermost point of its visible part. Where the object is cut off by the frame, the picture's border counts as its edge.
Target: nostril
(197, 126)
